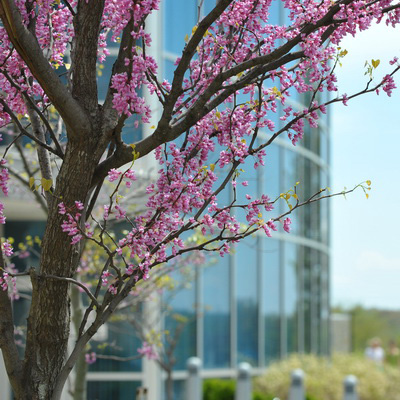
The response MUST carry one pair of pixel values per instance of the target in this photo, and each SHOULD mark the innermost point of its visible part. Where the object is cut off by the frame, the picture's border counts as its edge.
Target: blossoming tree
(232, 52)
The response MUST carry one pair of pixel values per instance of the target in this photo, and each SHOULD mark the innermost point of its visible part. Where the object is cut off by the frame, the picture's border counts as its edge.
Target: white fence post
(297, 385)
(243, 384)
(350, 388)
(194, 390)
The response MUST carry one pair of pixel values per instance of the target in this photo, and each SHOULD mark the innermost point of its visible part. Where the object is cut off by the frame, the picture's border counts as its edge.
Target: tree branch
(28, 48)
(25, 182)
(7, 343)
(24, 131)
(42, 153)
(32, 104)
(84, 47)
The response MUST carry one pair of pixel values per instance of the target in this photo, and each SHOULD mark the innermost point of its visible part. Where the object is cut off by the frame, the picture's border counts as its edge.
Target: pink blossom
(286, 224)
(388, 85)
(90, 358)
(7, 249)
(113, 175)
(79, 205)
(61, 209)
(148, 350)
(104, 278)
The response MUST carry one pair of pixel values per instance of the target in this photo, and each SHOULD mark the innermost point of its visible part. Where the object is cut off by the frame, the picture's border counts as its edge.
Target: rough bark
(49, 317)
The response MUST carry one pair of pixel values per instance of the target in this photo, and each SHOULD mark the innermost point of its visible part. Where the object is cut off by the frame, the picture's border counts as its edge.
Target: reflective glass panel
(271, 299)
(316, 301)
(182, 309)
(216, 334)
(116, 390)
(307, 296)
(117, 338)
(274, 13)
(324, 312)
(293, 174)
(20, 231)
(271, 172)
(180, 16)
(291, 295)
(247, 301)
(208, 5)
(249, 177)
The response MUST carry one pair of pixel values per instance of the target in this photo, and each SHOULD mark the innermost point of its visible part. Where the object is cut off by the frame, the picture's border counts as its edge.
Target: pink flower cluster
(148, 350)
(90, 358)
(72, 224)
(53, 31)
(4, 177)
(388, 84)
(7, 248)
(7, 280)
(286, 224)
(128, 176)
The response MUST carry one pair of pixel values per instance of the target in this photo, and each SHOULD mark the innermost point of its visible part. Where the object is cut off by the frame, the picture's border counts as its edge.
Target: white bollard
(350, 388)
(297, 385)
(141, 393)
(243, 384)
(194, 390)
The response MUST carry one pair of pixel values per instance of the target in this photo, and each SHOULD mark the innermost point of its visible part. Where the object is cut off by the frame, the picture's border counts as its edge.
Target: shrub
(324, 377)
(218, 389)
(222, 389)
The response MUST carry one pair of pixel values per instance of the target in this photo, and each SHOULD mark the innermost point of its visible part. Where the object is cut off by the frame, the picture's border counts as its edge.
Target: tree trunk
(49, 317)
(169, 383)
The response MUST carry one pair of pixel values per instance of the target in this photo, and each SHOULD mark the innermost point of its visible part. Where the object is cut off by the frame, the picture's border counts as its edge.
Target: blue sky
(366, 145)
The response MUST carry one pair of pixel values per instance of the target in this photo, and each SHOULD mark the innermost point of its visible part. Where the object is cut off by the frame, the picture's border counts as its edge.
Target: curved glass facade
(278, 287)
(270, 297)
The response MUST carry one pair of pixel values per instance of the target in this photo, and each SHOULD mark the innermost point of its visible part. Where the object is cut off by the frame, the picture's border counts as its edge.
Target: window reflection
(119, 339)
(247, 301)
(216, 304)
(271, 298)
(307, 298)
(19, 231)
(117, 390)
(324, 312)
(270, 173)
(291, 293)
(293, 173)
(182, 307)
(180, 16)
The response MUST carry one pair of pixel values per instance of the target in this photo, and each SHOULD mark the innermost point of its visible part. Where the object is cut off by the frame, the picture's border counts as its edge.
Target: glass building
(268, 298)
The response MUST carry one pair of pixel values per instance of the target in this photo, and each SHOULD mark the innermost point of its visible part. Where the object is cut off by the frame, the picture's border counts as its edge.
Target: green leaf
(375, 63)
(46, 184)
(31, 181)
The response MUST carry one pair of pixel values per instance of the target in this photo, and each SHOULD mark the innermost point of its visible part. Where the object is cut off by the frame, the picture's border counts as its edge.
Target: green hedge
(224, 389)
